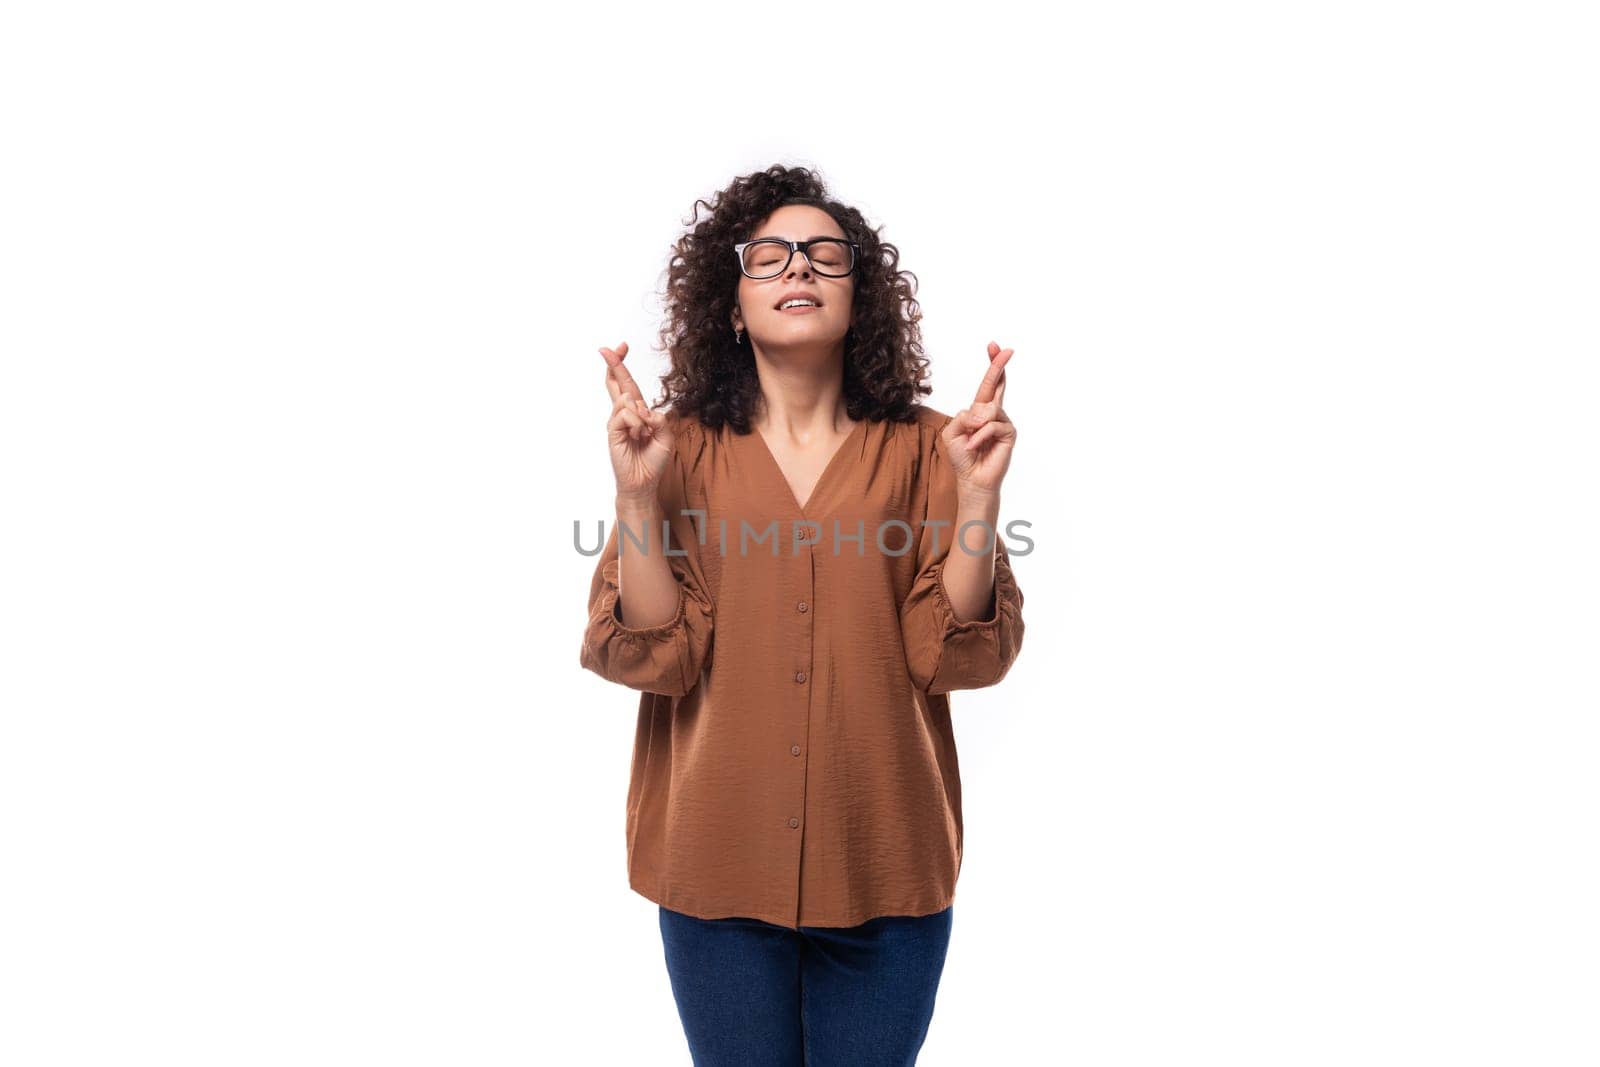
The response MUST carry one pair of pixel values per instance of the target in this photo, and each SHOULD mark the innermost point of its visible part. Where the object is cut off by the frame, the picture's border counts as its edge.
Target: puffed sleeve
(666, 658)
(944, 653)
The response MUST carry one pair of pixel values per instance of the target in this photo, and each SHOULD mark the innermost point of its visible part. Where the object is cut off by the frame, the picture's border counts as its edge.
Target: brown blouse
(794, 760)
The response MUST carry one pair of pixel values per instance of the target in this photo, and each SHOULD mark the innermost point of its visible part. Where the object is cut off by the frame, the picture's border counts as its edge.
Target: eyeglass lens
(768, 259)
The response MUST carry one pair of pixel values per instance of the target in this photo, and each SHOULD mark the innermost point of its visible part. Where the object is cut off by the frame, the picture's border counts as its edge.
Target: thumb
(961, 422)
(658, 421)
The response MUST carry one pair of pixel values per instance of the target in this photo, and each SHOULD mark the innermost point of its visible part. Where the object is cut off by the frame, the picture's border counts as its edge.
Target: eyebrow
(813, 237)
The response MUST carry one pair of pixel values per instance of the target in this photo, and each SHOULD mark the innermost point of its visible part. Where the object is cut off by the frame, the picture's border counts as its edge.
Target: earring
(738, 337)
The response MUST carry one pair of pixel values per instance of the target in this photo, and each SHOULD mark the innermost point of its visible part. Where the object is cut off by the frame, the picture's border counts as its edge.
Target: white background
(300, 309)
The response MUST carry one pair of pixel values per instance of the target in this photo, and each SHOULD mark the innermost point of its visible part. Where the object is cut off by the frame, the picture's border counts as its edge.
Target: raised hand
(640, 439)
(979, 438)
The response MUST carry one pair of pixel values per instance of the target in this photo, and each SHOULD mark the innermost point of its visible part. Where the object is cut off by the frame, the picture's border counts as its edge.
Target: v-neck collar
(822, 479)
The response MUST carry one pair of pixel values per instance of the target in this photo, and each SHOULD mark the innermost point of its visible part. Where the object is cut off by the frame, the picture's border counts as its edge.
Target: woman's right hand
(641, 439)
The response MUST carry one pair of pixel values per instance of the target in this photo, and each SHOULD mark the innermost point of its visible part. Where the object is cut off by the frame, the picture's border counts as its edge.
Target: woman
(785, 597)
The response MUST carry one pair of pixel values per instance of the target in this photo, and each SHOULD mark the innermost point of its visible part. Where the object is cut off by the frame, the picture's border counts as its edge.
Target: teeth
(798, 303)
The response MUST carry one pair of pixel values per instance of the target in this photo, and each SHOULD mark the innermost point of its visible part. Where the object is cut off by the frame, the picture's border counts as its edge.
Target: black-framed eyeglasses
(768, 257)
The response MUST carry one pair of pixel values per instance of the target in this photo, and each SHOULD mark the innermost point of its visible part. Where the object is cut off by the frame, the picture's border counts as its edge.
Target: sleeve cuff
(611, 609)
(1005, 592)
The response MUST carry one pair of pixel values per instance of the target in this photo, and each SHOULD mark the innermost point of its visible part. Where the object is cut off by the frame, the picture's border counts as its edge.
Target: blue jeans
(754, 994)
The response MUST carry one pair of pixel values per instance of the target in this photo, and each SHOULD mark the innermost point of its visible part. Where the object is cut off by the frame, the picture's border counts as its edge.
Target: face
(758, 314)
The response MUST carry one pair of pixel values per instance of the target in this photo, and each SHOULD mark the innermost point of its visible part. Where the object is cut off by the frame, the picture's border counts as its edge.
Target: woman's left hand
(979, 438)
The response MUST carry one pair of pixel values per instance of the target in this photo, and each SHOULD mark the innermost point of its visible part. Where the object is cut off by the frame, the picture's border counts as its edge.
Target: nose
(795, 261)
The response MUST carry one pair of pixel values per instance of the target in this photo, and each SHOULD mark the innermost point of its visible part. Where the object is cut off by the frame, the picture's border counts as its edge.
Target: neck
(802, 399)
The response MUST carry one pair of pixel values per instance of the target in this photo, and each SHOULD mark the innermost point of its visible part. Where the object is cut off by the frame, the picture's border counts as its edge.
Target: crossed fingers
(626, 397)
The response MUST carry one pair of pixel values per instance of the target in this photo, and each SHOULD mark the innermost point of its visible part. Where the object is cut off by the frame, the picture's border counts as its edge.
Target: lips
(797, 295)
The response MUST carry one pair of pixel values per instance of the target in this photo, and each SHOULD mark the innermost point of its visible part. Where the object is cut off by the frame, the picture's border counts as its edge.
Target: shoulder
(689, 439)
(926, 427)
(682, 425)
(911, 444)
(931, 419)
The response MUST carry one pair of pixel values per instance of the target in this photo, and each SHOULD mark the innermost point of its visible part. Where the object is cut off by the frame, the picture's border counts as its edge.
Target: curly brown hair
(714, 379)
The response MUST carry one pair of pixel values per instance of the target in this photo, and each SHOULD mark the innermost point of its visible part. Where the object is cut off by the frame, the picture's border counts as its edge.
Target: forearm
(647, 589)
(969, 578)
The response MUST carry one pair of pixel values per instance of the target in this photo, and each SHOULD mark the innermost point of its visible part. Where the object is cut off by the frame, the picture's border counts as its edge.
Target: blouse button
(802, 605)
(794, 822)
(794, 750)
(799, 676)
